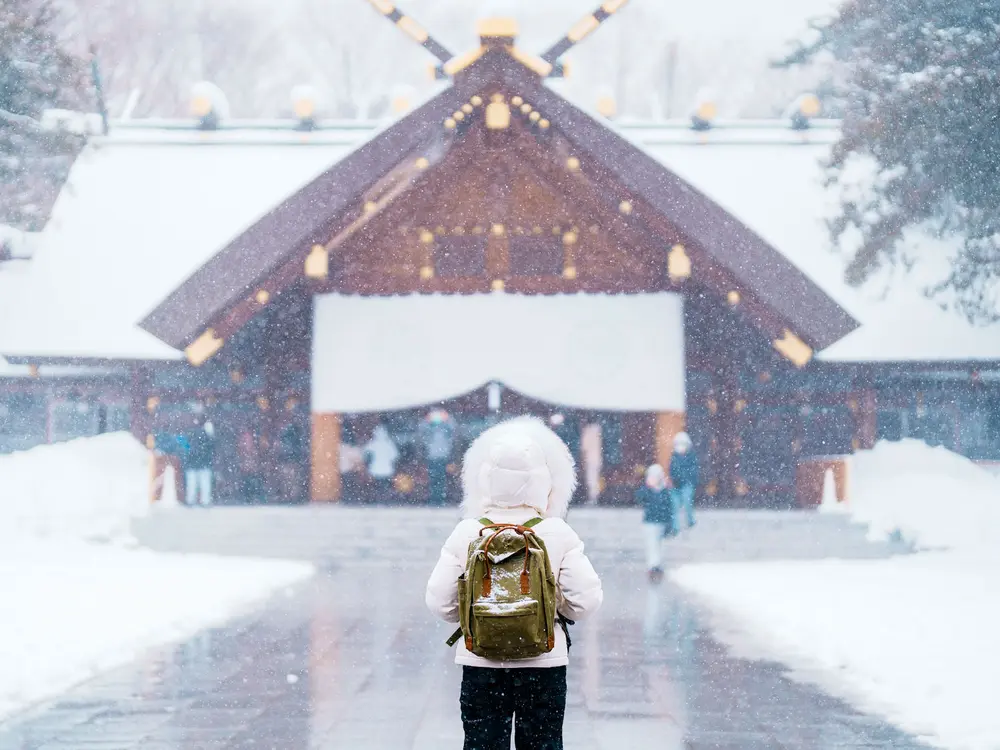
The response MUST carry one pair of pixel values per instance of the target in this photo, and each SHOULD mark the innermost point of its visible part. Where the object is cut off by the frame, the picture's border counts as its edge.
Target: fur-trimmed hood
(518, 463)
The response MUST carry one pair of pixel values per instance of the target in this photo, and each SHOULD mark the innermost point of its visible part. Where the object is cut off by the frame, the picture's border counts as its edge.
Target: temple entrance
(611, 449)
(383, 367)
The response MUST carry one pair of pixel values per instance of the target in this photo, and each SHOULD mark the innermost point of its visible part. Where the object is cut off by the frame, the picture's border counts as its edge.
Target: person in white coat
(516, 471)
(381, 454)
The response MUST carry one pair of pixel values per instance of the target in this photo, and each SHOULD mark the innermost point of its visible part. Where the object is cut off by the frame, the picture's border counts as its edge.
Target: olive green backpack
(507, 595)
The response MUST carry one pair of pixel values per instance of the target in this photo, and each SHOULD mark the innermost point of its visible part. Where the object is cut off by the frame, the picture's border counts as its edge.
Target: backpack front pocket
(508, 630)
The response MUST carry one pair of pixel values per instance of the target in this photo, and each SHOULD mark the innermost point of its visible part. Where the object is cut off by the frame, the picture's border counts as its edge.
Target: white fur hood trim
(479, 464)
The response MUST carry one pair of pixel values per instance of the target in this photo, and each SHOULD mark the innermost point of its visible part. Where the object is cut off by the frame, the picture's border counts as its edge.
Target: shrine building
(496, 250)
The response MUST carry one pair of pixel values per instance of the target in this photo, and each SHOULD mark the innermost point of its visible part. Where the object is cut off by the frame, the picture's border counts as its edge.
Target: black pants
(535, 698)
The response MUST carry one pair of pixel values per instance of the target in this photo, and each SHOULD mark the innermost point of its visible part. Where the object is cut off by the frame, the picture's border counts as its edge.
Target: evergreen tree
(36, 73)
(921, 99)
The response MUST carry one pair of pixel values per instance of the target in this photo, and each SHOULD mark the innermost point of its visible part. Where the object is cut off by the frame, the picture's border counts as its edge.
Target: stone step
(337, 534)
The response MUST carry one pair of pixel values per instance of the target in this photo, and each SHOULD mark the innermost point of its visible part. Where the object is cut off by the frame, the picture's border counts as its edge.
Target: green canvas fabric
(507, 595)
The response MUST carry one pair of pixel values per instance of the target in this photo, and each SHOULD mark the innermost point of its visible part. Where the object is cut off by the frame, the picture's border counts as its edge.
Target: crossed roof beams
(547, 65)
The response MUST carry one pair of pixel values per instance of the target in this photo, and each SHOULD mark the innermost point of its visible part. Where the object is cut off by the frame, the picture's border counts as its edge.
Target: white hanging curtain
(606, 352)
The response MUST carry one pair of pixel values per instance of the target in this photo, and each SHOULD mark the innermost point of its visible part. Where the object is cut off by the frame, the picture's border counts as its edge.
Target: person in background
(657, 518)
(437, 434)
(248, 456)
(683, 480)
(198, 465)
(381, 455)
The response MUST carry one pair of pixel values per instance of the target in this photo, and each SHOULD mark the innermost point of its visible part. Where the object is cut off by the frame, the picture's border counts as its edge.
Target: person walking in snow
(198, 465)
(381, 455)
(683, 480)
(657, 517)
(517, 472)
(437, 434)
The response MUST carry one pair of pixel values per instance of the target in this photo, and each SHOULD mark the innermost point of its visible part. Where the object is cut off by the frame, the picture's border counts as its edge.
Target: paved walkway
(352, 660)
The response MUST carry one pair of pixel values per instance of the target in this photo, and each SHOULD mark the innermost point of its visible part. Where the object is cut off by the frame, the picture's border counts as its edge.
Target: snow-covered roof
(142, 209)
(151, 203)
(916, 330)
(772, 180)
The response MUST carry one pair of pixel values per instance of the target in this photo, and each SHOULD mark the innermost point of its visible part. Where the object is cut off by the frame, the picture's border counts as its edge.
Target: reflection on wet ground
(351, 659)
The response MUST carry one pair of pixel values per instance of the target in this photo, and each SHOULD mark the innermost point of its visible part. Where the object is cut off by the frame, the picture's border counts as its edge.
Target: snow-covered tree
(36, 73)
(921, 100)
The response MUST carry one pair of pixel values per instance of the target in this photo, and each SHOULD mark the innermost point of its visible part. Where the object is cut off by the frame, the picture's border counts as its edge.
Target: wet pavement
(351, 659)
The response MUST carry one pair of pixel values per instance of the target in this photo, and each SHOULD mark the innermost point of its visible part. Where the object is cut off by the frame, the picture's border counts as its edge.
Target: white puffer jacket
(513, 472)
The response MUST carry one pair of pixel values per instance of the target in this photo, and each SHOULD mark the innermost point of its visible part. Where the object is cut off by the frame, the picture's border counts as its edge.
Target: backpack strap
(455, 638)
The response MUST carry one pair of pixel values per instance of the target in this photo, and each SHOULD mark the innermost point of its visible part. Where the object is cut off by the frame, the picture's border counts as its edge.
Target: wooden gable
(467, 194)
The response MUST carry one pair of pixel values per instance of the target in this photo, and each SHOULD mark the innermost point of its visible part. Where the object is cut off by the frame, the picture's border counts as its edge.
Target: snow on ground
(75, 606)
(912, 638)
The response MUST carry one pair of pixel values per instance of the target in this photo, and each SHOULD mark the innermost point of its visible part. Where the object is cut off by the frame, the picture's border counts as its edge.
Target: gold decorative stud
(426, 236)
(544, 124)
(625, 207)
(516, 101)
(498, 230)
(467, 108)
(497, 285)
(450, 123)
(569, 272)
(797, 351)
(263, 296)
(570, 238)
(203, 348)
(423, 162)
(317, 263)
(678, 263)
(427, 273)
(476, 101)
(733, 297)
(498, 115)
(572, 164)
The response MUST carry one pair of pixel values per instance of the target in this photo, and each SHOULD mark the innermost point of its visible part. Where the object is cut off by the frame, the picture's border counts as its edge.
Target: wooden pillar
(326, 480)
(728, 451)
(140, 416)
(866, 420)
(668, 424)
(141, 423)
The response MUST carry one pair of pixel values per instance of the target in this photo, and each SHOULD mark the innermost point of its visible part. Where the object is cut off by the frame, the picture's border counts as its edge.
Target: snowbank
(76, 609)
(90, 488)
(912, 638)
(932, 497)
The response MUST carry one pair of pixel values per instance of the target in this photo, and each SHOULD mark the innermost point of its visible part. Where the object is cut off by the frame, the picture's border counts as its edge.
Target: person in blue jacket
(683, 481)
(657, 517)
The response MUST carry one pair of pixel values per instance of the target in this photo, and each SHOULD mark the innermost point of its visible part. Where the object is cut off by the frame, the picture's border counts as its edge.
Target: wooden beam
(668, 425)
(326, 481)
(409, 176)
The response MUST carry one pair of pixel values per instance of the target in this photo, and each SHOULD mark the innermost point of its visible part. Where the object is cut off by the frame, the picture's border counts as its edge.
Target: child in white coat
(516, 471)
